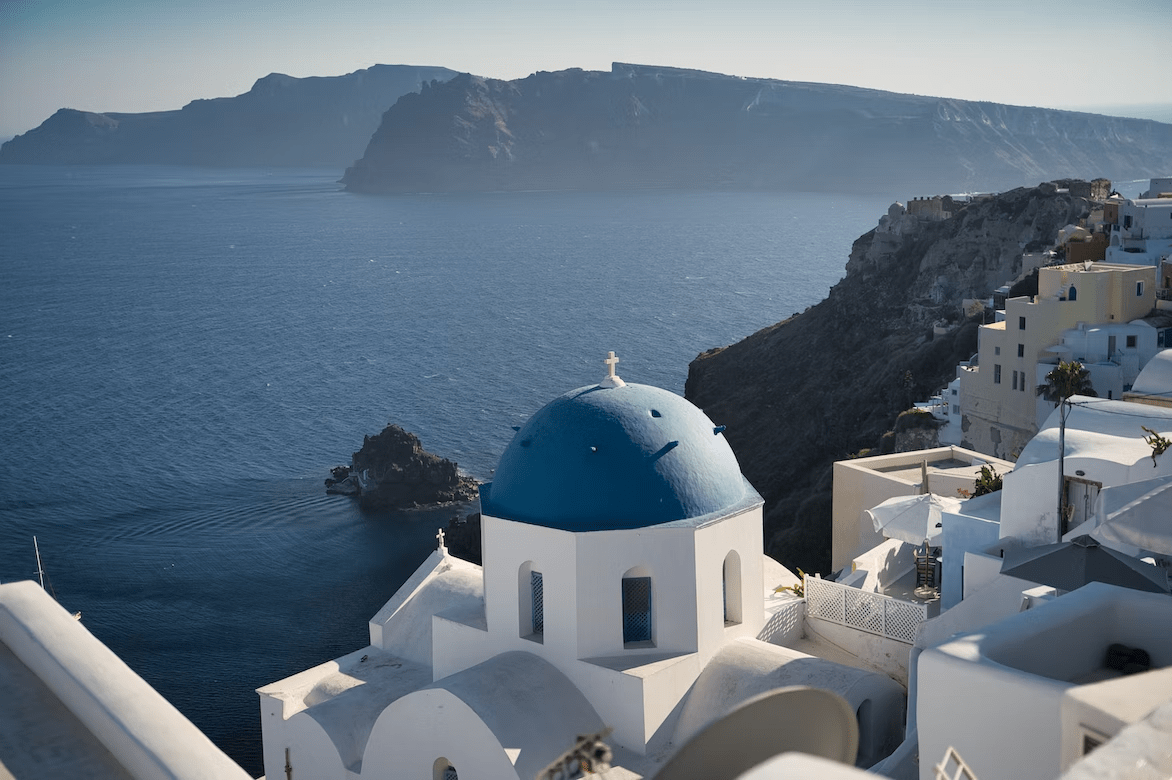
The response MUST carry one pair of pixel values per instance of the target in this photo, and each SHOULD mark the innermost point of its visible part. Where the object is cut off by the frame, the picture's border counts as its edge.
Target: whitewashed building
(1143, 230)
(623, 586)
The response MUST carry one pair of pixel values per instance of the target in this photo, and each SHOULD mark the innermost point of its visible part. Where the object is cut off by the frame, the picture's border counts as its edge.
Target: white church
(623, 586)
(624, 593)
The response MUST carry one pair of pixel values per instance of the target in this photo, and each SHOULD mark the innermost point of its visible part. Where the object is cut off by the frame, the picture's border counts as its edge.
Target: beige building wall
(863, 483)
(999, 404)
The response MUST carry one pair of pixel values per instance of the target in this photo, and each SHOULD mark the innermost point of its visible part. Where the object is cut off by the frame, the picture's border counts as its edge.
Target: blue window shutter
(538, 589)
(636, 609)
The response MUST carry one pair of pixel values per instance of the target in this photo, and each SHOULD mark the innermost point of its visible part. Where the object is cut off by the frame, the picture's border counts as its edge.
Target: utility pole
(1064, 404)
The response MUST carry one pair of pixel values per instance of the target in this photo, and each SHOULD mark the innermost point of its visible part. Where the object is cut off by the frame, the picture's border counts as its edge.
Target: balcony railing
(864, 610)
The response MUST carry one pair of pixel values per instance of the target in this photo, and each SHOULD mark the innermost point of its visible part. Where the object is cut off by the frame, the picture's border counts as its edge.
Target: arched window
(637, 616)
(531, 602)
(1073, 294)
(732, 588)
(442, 769)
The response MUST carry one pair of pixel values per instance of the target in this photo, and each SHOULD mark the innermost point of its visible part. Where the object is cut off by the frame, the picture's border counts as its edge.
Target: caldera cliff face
(827, 382)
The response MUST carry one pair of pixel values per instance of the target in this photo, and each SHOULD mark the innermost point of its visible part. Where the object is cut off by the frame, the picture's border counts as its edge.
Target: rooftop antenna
(40, 571)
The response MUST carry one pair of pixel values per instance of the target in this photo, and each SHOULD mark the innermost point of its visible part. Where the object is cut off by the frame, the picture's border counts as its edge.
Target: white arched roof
(514, 705)
(748, 667)
(1156, 376)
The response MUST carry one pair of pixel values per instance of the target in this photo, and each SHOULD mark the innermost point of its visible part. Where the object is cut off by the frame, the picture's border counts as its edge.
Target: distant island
(640, 126)
(281, 121)
(403, 128)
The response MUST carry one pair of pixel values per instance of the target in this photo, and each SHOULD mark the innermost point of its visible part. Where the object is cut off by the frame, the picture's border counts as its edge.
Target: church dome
(614, 456)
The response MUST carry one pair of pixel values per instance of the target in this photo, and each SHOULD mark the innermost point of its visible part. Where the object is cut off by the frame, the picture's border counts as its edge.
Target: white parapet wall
(141, 730)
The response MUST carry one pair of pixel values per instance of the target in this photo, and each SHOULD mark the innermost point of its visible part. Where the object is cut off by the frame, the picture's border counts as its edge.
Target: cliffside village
(1000, 607)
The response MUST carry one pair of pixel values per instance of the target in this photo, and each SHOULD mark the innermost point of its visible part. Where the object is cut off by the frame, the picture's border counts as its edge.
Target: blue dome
(603, 458)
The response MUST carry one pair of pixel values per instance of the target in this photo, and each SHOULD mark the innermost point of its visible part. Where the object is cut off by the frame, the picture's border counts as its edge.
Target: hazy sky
(144, 55)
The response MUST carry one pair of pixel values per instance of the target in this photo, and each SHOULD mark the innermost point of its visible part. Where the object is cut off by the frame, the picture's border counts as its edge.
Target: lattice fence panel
(903, 618)
(864, 610)
(823, 600)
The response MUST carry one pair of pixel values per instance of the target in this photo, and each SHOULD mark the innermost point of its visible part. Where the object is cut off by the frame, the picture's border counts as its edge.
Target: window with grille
(636, 609)
(537, 587)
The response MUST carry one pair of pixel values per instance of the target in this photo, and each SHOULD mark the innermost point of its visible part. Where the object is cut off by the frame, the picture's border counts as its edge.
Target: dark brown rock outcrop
(828, 382)
(392, 470)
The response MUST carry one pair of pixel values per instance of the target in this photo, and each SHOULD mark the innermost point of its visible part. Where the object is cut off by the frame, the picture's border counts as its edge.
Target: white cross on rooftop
(611, 361)
(611, 379)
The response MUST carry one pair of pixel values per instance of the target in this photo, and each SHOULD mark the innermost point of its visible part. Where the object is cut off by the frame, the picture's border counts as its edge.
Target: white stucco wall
(1104, 440)
(1003, 722)
(742, 534)
(1105, 708)
(418, 729)
(141, 730)
(962, 533)
(995, 694)
(862, 483)
(883, 565)
(636, 688)
(668, 557)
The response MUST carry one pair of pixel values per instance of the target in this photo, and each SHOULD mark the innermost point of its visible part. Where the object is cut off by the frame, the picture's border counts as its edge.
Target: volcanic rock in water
(392, 470)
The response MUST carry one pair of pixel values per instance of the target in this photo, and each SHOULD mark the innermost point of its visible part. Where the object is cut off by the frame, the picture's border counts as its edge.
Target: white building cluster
(1112, 314)
(624, 605)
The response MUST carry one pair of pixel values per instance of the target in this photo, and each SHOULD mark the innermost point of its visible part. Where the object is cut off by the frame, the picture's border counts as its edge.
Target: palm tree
(1069, 378)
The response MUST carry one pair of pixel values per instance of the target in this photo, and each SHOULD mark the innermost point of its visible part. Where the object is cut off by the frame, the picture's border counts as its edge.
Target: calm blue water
(184, 353)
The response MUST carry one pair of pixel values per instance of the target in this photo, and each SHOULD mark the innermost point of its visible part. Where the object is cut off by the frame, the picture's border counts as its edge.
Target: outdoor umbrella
(912, 519)
(1070, 565)
(1138, 514)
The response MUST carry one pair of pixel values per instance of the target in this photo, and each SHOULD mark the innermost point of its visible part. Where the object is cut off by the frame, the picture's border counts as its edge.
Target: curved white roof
(1156, 376)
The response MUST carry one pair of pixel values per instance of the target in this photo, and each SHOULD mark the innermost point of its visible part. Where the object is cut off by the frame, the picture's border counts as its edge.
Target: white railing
(864, 610)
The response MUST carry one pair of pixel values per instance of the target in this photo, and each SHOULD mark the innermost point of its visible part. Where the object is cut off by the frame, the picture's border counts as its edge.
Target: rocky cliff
(281, 121)
(647, 127)
(392, 470)
(830, 381)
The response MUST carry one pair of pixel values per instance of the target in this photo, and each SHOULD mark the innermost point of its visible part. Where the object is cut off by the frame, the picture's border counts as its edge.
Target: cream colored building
(863, 483)
(1000, 409)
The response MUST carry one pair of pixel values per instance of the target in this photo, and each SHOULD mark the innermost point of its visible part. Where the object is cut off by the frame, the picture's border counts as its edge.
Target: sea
(185, 353)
